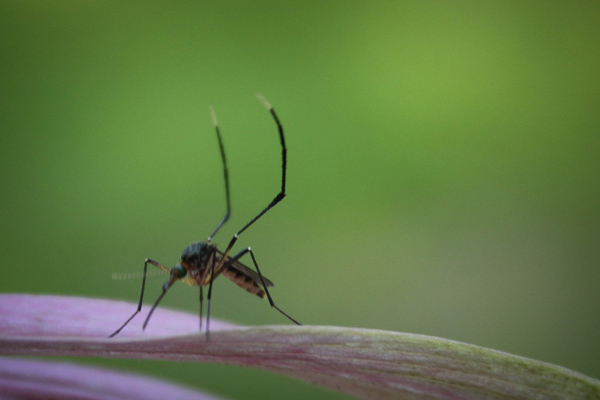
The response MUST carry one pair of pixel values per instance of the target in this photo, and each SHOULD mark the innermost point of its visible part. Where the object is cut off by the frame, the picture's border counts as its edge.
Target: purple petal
(366, 363)
(46, 316)
(28, 379)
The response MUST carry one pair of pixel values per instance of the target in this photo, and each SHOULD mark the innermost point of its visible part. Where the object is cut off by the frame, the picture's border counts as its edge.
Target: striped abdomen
(244, 281)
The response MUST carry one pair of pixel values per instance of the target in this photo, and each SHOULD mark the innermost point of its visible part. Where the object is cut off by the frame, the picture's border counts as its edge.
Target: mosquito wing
(250, 273)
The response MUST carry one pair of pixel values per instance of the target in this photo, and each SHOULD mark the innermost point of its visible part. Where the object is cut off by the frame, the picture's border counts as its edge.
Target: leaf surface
(365, 363)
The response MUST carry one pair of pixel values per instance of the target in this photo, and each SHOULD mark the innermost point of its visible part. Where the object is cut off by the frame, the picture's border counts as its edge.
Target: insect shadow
(201, 262)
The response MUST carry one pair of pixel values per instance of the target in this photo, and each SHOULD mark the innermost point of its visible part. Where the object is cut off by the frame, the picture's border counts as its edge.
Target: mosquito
(201, 262)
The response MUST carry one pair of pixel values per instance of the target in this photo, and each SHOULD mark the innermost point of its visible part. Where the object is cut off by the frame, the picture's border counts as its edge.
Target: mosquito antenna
(122, 276)
(225, 175)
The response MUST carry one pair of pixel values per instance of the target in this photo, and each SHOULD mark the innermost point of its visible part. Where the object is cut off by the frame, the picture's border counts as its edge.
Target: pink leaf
(30, 379)
(366, 363)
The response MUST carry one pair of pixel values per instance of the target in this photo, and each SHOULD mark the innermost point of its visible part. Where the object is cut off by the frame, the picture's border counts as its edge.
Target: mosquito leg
(210, 286)
(139, 307)
(272, 204)
(225, 176)
(201, 299)
(262, 280)
(281, 194)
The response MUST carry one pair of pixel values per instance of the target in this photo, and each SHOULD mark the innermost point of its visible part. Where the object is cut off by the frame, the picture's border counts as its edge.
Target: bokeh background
(443, 177)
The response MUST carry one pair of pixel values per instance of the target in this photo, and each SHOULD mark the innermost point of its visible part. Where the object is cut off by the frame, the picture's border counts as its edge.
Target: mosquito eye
(179, 271)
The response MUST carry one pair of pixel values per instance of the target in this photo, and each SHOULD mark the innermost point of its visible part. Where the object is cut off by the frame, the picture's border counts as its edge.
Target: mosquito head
(178, 272)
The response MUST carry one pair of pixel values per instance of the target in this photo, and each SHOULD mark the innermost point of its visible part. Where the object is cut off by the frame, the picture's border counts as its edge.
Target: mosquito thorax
(196, 255)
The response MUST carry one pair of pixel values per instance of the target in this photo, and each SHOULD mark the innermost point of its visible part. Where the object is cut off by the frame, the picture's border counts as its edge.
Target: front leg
(139, 307)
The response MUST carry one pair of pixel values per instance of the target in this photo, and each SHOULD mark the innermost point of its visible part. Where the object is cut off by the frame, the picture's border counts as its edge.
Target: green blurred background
(443, 177)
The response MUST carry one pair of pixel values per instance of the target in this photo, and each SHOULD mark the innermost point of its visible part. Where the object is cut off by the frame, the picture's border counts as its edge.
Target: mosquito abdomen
(243, 281)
